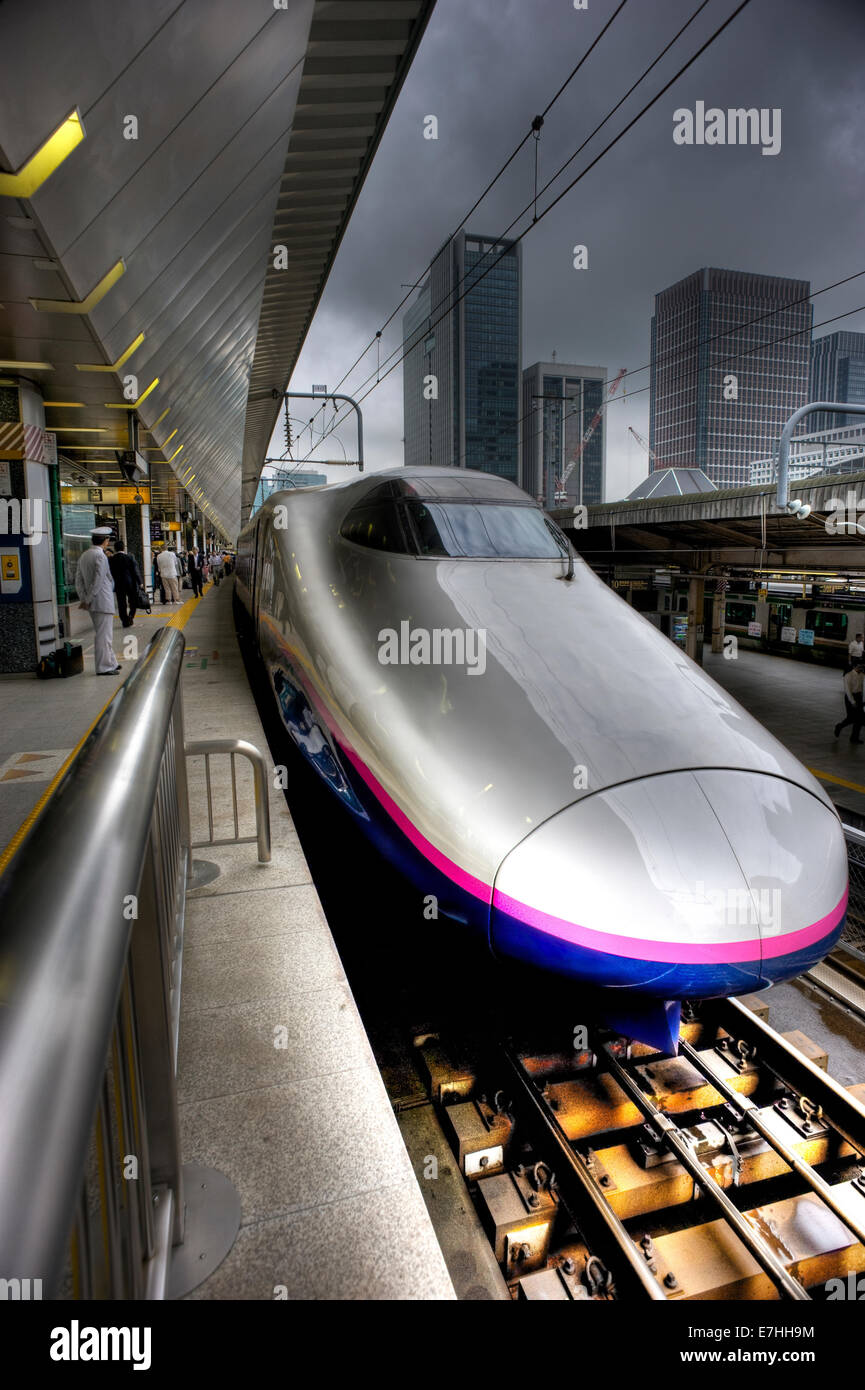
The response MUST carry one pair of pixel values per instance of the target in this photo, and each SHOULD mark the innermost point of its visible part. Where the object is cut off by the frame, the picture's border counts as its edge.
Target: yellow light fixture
(6, 363)
(77, 429)
(145, 430)
(46, 159)
(113, 366)
(176, 452)
(155, 448)
(83, 306)
(111, 405)
(64, 405)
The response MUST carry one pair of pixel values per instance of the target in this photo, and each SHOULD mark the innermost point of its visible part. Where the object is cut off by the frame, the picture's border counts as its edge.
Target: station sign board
(788, 634)
(110, 496)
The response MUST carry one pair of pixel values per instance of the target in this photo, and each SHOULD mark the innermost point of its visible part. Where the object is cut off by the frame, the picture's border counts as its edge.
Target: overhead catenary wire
(477, 277)
(491, 184)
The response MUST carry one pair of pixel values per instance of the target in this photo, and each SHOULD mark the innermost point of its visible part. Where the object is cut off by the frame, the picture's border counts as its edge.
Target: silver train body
(535, 755)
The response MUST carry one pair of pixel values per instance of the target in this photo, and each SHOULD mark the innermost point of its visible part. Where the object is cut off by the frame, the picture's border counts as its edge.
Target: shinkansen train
(547, 768)
(817, 625)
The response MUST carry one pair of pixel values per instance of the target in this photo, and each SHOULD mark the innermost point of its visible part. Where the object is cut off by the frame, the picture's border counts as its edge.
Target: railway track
(609, 1172)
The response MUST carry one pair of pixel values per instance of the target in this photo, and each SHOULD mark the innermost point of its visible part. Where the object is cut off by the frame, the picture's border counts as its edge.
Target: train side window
(375, 525)
(829, 625)
(740, 614)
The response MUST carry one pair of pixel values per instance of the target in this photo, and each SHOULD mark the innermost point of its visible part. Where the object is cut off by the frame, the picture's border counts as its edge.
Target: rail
(92, 1201)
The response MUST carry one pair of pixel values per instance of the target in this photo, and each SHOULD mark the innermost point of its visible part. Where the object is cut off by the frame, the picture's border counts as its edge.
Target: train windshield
(484, 531)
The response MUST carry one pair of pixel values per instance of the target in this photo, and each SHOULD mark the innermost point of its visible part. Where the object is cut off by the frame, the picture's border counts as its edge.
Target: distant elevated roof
(672, 482)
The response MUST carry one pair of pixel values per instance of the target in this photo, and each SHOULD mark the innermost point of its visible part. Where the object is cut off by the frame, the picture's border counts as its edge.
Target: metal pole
(835, 408)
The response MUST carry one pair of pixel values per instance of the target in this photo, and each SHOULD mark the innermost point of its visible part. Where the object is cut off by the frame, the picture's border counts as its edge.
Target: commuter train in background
(531, 752)
(817, 625)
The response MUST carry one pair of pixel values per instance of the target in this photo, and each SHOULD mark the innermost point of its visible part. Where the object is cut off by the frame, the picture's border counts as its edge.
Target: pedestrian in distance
(856, 651)
(194, 569)
(127, 579)
(170, 572)
(853, 685)
(157, 581)
(96, 593)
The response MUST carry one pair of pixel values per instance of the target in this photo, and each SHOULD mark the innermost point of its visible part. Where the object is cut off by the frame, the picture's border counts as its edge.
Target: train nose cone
(684, 885)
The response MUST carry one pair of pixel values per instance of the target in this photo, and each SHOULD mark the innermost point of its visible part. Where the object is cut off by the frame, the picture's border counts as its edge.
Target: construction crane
(589, 431)
(645, 443)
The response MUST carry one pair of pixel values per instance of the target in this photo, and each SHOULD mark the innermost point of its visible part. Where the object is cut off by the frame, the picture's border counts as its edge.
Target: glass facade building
(560, 401)
(461, 376)
(837, 374)
(283, 482)
(729, 363)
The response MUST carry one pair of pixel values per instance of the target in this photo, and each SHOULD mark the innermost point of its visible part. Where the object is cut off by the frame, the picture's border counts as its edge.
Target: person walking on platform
(170, 571)
(853, 685)
(194, 570)
(856, 650)
(124, 572)
(96, 592)
(156, 580)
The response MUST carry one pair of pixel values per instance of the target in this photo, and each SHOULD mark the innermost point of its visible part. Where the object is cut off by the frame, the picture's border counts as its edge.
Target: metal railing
(92, 907)
(234, 746)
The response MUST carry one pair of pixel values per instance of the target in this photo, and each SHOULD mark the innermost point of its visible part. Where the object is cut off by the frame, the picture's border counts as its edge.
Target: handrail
(206, 748)
(66, 911)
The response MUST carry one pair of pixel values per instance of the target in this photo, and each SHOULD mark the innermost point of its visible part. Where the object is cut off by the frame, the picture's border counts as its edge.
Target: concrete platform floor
(799, 704)
(278, 1087)
(41, 722)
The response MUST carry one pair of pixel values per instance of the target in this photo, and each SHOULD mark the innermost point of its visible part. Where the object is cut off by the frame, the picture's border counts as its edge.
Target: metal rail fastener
(738, 1221)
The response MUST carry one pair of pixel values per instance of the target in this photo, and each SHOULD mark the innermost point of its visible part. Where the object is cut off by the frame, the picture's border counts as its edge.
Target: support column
(718, 614)
(694, 634)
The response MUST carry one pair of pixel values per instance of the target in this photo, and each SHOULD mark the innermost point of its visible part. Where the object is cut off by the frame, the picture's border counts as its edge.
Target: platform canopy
(152, 155)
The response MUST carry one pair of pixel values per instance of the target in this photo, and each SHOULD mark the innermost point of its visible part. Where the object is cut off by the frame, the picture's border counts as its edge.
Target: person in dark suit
(124, 572)
(194, 570)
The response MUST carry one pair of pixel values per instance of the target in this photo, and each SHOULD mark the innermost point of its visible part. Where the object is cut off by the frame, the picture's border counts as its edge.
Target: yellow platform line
(829, 777)
(177, 620)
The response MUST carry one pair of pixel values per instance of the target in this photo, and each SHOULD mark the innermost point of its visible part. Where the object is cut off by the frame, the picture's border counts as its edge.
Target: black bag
(142, 600)
(67, 660)
(71, 659)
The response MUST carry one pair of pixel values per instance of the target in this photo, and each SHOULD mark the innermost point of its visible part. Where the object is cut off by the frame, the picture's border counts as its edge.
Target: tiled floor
(278, 1087)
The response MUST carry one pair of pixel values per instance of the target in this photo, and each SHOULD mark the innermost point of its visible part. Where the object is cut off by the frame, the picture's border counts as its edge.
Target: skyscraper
(730, 362)
(560, 401)
(837, 374)
(461, 376)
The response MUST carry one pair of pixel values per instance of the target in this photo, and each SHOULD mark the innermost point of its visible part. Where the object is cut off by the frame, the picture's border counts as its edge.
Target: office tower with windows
(729, 363)
(462, 364)
(560, 400)
(837, 374)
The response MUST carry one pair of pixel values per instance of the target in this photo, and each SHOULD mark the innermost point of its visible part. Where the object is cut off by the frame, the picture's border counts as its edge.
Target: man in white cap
(96, 592)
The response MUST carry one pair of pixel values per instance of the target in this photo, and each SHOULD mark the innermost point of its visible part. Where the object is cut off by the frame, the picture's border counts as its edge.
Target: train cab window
(827, 625)
(484, 531)
(740, 614)
(375, 524)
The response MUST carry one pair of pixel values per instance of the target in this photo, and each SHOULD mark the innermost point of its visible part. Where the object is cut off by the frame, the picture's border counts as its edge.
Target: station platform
(277, 1085)
(799, 704)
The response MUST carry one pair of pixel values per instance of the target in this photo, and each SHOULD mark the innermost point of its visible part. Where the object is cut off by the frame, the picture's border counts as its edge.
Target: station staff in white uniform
(96, 592)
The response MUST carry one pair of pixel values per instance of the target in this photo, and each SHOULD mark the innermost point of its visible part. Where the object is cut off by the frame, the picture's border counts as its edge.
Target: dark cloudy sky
(650, 212)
